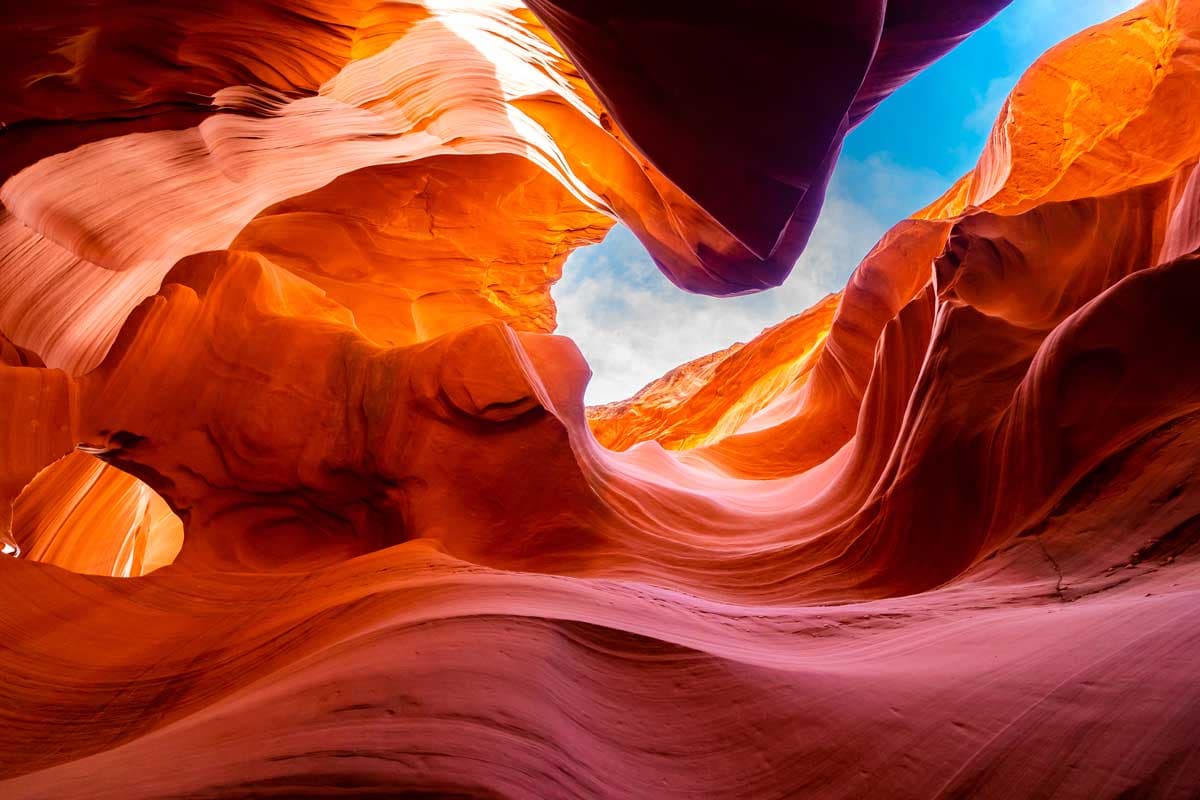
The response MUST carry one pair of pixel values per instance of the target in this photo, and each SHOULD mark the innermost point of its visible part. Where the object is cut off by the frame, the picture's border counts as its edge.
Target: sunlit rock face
(301, 498)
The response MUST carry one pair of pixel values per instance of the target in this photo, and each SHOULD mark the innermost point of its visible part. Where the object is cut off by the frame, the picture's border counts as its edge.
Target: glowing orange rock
(88, 517)
(687, 407)
(423, 249)
(936, 536)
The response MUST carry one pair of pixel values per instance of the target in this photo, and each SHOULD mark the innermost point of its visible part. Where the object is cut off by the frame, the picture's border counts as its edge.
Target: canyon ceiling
(299, 496)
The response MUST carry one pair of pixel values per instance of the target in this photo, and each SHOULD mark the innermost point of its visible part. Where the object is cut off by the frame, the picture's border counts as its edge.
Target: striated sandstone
(304, 500)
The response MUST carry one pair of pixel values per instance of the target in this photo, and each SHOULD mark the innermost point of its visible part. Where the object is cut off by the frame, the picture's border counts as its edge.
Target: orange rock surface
(300, 497)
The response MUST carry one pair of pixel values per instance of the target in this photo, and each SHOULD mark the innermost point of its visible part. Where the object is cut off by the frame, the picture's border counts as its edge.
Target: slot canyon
(300, 496)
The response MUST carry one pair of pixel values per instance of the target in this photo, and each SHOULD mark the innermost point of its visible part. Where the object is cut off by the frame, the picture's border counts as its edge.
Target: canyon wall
(300, 497)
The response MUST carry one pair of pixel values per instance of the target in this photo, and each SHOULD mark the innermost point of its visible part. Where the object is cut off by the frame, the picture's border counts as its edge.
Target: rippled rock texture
(301, 498)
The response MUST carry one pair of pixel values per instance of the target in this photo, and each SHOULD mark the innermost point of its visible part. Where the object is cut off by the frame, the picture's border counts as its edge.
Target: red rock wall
(934, 537)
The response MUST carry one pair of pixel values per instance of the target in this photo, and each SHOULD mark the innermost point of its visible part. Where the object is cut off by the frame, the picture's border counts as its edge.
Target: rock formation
(301, 499)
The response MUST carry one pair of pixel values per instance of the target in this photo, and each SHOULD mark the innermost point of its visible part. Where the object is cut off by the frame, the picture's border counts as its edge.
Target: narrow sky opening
(633, 325)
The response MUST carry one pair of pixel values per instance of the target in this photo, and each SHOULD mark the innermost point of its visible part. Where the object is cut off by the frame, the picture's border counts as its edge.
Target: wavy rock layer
(935, 536)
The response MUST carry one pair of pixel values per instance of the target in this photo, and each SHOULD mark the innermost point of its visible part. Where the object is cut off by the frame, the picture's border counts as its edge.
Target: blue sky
(633, 325)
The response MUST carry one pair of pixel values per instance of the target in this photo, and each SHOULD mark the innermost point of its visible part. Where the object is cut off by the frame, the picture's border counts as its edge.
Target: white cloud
(633, 325)
(988, 104)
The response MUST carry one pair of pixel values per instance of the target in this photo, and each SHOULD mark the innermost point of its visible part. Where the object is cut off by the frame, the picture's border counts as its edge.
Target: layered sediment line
(306, 502)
